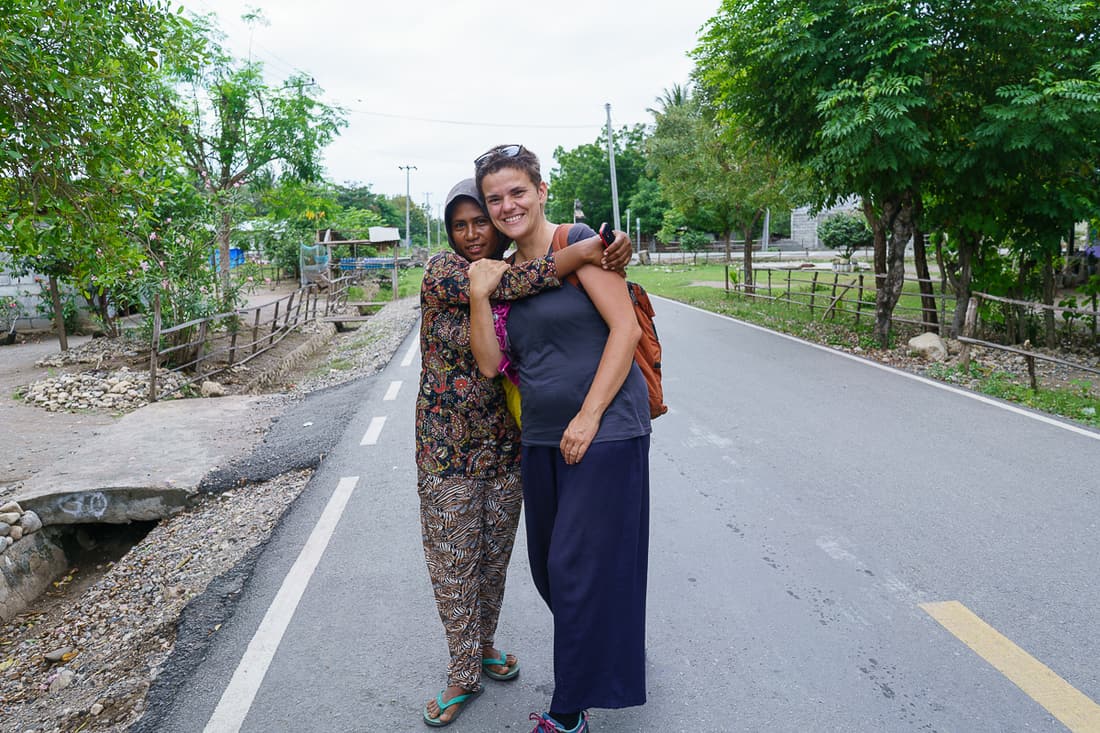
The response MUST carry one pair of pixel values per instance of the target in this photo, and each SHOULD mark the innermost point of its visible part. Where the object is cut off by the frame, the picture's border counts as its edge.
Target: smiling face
(472, 232)
(516, 204)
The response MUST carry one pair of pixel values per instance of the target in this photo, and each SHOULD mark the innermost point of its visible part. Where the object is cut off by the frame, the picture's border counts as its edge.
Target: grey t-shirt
(556, 339)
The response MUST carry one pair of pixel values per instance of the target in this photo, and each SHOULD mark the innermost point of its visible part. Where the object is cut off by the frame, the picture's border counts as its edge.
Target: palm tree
(676, 96)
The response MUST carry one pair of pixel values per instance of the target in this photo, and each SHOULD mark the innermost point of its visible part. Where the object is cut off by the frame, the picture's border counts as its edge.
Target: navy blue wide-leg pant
(588, 542)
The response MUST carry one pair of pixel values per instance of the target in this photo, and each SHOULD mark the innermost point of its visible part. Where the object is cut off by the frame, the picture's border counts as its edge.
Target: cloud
(485, 72)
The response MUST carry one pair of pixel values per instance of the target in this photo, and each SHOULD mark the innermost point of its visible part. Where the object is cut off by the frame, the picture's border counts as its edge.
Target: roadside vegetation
(1075, 398)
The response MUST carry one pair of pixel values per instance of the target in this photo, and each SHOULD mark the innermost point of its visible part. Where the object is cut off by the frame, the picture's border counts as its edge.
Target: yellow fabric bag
(511, 397)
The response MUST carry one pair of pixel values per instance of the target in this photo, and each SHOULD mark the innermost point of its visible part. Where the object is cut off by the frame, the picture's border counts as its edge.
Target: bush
(846, 232)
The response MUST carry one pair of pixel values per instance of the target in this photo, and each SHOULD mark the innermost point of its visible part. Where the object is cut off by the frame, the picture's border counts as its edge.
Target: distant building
(804, 226)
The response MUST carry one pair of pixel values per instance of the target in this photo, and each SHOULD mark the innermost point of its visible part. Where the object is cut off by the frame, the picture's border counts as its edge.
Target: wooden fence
(973, 328)
(854, 294)
(208, 346)
(850, 293)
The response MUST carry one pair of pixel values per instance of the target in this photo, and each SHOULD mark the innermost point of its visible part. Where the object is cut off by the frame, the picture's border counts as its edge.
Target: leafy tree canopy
(584, 174)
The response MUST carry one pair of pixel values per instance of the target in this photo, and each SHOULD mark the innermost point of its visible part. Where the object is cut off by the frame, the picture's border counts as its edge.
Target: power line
(468, 123)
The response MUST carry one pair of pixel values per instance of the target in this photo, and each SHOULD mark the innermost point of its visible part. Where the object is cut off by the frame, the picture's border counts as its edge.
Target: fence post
(236, 326)
(1030, 366)
(154, 353)
(968, 331)
(1095, 334)
(289, 307)
(859, 299)
(727, 278)
(274, 323)
(813, 294)
(201, 345)
(256, 330)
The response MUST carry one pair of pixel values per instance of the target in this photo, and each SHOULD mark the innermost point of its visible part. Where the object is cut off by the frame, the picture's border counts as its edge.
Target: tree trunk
(225, 226)
(968, 246)
(1048, 297)
(929, 319)
(879, 232)
(747, 260)
(58, 314)
(897, 219)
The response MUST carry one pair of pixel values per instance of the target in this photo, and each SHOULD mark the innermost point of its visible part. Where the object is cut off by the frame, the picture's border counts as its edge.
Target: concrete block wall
(26, 290)
(804, 226)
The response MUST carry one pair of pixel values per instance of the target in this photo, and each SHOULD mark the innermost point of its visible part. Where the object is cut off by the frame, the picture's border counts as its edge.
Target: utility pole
(611, 158)
(408, 234)
(428, 218)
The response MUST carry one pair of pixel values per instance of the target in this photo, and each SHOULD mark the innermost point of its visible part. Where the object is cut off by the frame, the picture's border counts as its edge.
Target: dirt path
(30, 436)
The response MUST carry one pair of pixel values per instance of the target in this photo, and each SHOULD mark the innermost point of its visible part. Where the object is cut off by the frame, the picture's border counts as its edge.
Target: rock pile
(15, 524)
(97, 351)
(122, 389)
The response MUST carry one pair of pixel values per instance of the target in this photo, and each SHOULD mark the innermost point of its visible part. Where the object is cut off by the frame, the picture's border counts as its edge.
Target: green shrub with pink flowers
(11, 310)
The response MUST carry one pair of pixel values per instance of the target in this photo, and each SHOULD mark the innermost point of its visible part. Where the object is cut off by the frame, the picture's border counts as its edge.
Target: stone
(5, 529)
(16, 533)
(30, 522)
(11, 506)
(9, 517)
(57, 654)
(929, 346)
(96, 709)
(5, 543)
(64, 678)
(211, 388)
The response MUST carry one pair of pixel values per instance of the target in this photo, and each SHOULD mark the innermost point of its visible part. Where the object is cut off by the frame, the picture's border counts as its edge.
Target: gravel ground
(85, 656)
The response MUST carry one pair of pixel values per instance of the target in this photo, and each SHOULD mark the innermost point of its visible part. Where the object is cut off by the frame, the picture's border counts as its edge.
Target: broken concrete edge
(109, 505)
(27, 569)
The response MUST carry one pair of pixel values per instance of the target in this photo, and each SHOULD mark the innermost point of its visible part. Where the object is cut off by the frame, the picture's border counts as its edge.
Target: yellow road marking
(1075, 711)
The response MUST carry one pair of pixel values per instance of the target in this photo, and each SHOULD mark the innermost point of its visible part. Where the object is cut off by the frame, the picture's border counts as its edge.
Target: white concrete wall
(804, 226)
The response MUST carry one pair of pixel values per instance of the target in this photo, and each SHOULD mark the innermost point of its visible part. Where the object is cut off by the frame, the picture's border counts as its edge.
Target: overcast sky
(435, 83)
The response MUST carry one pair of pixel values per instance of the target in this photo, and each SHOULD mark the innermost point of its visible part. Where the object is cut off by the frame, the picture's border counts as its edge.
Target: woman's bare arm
(608, 293)
(484, 277)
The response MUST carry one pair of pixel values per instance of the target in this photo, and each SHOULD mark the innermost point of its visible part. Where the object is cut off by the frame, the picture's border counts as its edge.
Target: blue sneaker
(545, 724)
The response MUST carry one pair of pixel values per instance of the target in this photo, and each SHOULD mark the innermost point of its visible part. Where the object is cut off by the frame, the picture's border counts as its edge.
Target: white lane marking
(238, 696)
(916, 377)
(391, 393)
(373, 431)
(410, 354)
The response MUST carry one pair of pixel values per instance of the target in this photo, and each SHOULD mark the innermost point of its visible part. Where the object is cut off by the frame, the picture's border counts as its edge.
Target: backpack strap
(560, 242)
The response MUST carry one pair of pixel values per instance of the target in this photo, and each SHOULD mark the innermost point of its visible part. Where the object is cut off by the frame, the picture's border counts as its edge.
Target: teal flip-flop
(456, 700)
(502, 662)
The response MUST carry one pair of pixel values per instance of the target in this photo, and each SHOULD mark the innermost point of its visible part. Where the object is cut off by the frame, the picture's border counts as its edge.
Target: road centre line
(374, 430)
(237, 698)
(916, 377)
(410, 354)
(391, 393)
(1072, 708)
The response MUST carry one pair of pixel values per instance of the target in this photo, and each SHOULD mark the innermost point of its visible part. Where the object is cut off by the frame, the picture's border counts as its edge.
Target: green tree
(718, 176)
(897, 102)
(584, 174)
(83, 107)
(850, 77)
(239, 126)
(649, 204)
(846, 232)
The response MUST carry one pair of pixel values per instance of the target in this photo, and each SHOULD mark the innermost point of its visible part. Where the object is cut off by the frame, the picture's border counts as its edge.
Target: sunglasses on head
(500, 151)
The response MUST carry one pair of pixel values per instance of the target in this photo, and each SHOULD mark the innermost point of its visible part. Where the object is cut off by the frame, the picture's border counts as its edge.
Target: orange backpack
(647, 354)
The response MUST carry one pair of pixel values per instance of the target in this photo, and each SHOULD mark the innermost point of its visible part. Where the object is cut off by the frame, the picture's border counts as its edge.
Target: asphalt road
(818, 525)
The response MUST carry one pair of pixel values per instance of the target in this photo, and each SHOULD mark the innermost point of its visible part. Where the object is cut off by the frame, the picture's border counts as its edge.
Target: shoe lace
(543, 724)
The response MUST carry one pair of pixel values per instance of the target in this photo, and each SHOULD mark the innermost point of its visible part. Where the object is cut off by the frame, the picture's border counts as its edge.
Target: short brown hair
(496, 159)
